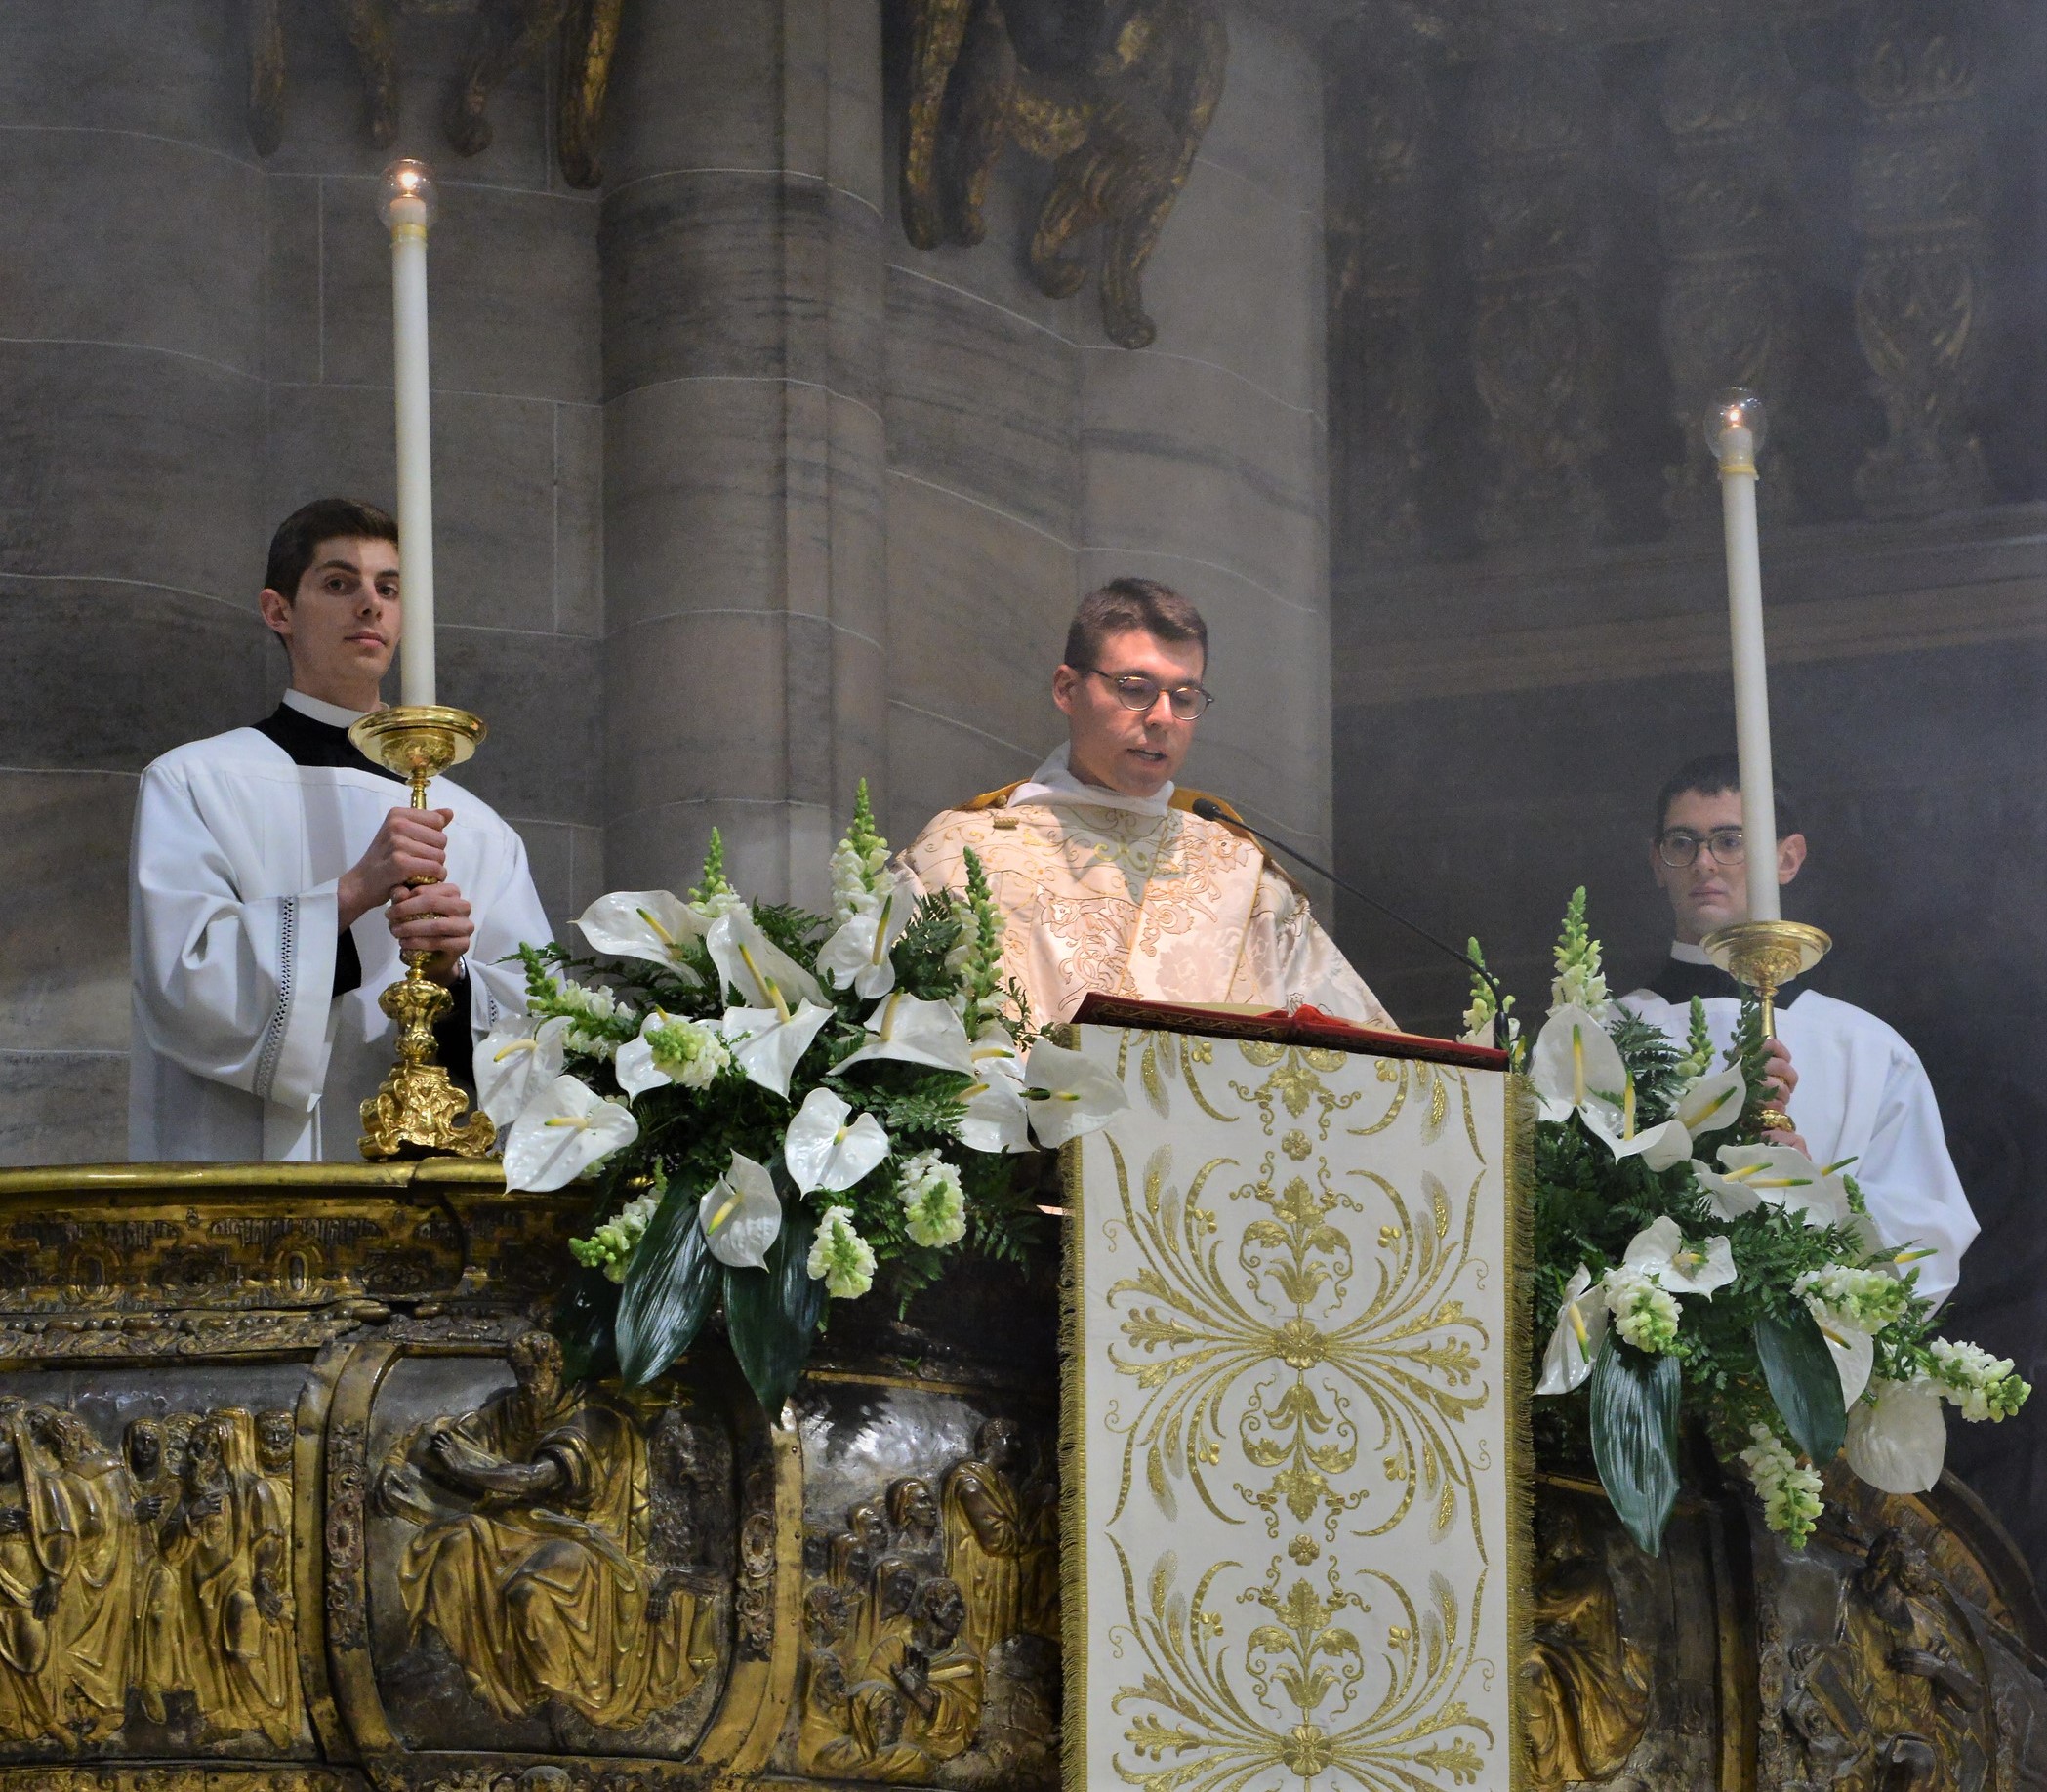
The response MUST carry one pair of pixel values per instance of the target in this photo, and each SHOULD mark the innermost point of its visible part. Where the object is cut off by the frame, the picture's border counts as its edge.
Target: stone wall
(740, 497)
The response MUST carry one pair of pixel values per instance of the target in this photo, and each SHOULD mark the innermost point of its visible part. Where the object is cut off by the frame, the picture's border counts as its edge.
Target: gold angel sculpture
(1115, 94)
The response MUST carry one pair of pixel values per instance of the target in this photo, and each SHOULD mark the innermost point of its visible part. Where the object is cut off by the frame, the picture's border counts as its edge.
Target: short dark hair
(1124, 604)
(325, 520)
(1707, 776)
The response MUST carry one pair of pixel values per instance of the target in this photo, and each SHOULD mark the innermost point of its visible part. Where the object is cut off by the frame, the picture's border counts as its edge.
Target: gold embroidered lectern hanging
(1296, 1480)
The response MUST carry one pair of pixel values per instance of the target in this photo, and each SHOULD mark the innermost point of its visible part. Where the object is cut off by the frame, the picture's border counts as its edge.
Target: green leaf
(583, 1322)
(1804, 1383)
(669, 1285)
(1634, 1436)
(772, 1313)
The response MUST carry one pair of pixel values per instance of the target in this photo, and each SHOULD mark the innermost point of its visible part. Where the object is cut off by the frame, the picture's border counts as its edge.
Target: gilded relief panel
(548, 1567)
(931, 1589)
(148, 1556)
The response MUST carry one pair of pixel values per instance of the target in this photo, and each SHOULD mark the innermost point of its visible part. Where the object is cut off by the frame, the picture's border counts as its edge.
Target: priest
(268, 886)
(1861, 1091)
(1105, 878)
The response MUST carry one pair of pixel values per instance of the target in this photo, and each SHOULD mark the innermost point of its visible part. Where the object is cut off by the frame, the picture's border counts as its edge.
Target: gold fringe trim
(1073, 1473)
(1519, 1232)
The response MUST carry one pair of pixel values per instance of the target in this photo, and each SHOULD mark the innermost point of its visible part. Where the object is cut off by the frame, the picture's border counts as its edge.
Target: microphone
(1210, 810)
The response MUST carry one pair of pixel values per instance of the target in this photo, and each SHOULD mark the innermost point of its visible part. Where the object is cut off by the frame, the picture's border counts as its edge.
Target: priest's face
(1710, 893)
(341, 627)
(1131, 751)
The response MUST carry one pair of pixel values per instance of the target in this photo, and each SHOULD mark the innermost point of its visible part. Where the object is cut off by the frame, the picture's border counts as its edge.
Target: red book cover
(1302, 1026)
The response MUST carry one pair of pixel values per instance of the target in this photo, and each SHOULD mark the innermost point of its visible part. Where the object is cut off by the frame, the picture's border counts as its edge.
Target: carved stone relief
(1115, 94)
(1920, 296)
(1726, 313)
(1539, 354)
(508, 35)
(931, 1606)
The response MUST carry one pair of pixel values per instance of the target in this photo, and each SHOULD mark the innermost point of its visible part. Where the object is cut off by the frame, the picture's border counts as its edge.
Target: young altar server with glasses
(268, 904)
(1104, 877)
(1861, 1091)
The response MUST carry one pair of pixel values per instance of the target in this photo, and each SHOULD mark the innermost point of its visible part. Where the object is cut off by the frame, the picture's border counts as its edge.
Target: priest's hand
(436, 920)
(1780, 1082)
(411, 844)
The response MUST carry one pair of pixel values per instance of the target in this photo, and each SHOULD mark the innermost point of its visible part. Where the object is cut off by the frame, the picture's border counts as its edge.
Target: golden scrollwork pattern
(1292, 1426)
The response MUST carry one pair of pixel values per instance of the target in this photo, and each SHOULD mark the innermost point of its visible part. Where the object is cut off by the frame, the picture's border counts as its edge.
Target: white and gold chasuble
(1147, 902)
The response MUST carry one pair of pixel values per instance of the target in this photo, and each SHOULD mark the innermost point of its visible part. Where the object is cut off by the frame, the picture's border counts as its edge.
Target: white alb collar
(331, 713)
(1686, 954)
(1053, 782)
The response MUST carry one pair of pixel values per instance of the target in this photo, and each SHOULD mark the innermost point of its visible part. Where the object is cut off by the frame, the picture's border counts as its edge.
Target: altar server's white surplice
(1863, 1093)
(1135, 896)
(242, 1050)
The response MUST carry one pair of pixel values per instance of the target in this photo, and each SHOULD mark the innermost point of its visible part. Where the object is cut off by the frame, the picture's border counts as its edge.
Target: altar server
(1862, 1092)
(1105, 878)
(268, 900)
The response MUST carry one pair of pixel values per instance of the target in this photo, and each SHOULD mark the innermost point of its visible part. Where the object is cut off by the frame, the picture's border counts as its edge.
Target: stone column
(131, 400)
(1538, 350)
(1918, 298)
(742, 271)
(1725, 101)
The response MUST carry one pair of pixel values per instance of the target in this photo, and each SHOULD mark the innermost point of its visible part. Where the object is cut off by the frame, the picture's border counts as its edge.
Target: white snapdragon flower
(685, 1052)
(839, 1258)
(1788, 1489)
(612, 1246)
(1643, 1312)
(934, 1205)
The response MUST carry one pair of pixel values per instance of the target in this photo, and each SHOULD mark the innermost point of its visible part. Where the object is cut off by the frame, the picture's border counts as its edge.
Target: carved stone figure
(1584, 1681)
(986, 1537)
(31, 1569)
(161, 1657)
(532, 1561)
(1116, 94)
(509, 35)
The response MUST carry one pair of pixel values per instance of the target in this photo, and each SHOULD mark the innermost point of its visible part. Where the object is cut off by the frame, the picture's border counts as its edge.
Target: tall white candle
(408, 209)
(1735, 430)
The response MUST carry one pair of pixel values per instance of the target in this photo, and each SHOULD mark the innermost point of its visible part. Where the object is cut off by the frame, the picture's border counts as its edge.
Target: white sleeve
(1311, 968)
(1909, 1178)
(239, 992)
(509, 916)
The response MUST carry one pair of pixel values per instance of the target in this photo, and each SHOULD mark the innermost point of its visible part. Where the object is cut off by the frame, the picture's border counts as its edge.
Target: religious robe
(1863, 1093)
(256, 1031)
(1135, 896)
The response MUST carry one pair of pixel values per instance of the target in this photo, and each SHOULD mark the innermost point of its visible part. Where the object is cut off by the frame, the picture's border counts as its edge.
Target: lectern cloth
(1293, 1431)
(242, 1048)
(1864, 1095)
(1160, 905)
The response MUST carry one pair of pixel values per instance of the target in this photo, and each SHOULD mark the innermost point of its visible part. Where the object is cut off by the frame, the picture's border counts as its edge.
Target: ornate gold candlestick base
(1766, 955)
(419, 1112)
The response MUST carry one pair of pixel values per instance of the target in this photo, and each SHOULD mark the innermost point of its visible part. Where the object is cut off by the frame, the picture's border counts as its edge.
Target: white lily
(669, 1050)
(826, 1147)
(515, 1062)
(751, 966)
(768, 1042)
(916, 1032)
(1659, 1249)
(856, 956)
(1897, 1436)
(741, 1215)
(1776, 1176)
(565, 1129)
(651, 924)
(995, 1116)
(1068, 1094)
(1582, 1328)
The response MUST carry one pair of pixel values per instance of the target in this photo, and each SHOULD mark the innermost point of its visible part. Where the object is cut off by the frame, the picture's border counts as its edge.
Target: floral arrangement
(1684, 1260)
(771, 1108)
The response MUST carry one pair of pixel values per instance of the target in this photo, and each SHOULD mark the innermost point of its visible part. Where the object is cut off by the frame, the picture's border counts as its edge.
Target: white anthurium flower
(1659, 1249)
(1576, 1066)
(826, 1148)
(1068, 1094)
(651, 924)
(1853, 1350)
(754, 968)
(565, 1129)
(1897, 1436)
(856, 956)
(515, 1063)
(916, 1032)
(768, 1042)
(1659, 1147)
(1709, 1103)
(995, 1116)
(741, 1215)
(1582, 1328)
(1774, 1176)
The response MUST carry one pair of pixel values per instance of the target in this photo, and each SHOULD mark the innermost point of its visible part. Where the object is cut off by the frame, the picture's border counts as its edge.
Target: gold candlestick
(419, 1112)
(1766, 955)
